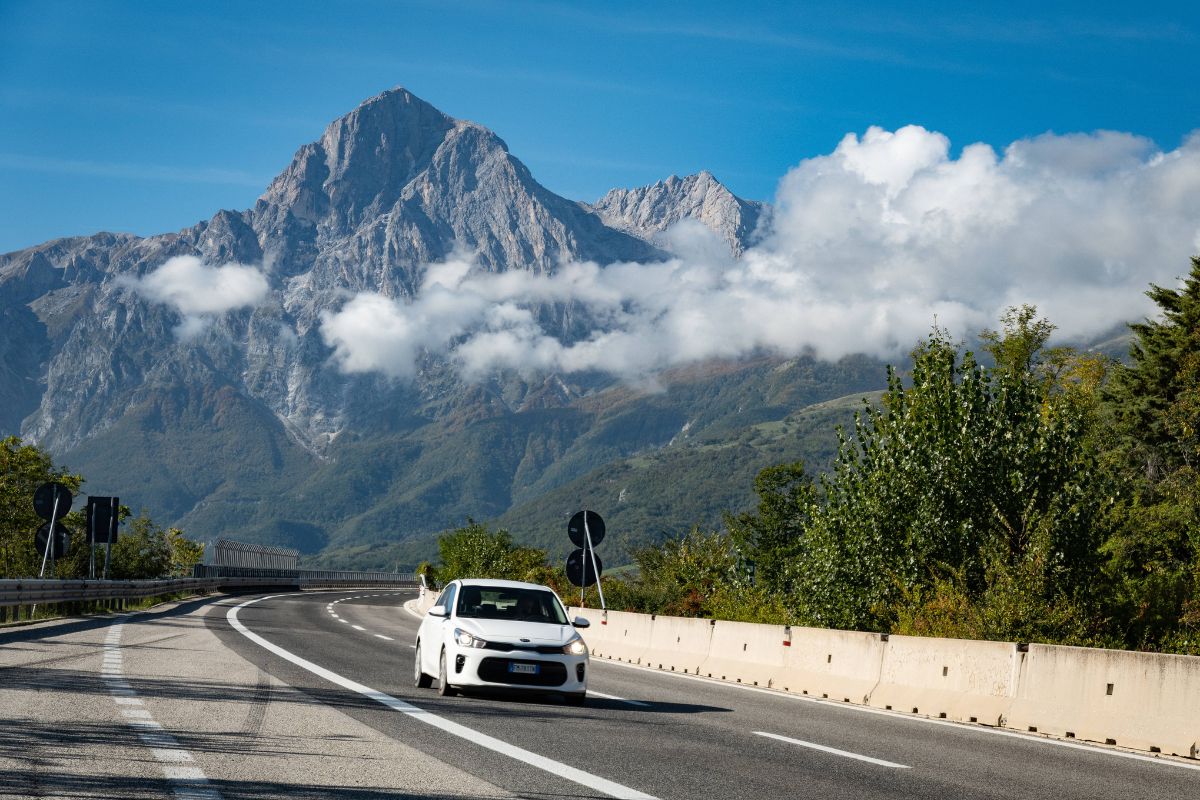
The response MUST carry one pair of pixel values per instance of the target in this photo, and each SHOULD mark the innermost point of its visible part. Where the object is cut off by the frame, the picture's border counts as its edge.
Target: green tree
(473, 551)
(23, 468)
(1154, 402)
(142, 551)
(772, 536)
(967, 470)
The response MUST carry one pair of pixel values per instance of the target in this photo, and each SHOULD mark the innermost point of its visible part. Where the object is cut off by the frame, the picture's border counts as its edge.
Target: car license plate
(524, 669)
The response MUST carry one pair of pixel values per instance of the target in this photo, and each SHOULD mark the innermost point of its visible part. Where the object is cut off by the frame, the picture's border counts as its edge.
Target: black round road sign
(595, 527)
(61, 541)
(44, 497)
(579, 568)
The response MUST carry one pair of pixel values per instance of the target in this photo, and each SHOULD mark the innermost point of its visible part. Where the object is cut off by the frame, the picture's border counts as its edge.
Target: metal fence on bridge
(237, 567)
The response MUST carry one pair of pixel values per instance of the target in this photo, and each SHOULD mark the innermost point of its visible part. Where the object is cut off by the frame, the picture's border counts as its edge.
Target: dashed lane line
(833, 750)
(573, 774)
(187, 783)
(639, 703)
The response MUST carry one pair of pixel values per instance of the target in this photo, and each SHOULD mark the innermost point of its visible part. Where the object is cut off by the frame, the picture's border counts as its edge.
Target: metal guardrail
(15, 593)
(307, 575)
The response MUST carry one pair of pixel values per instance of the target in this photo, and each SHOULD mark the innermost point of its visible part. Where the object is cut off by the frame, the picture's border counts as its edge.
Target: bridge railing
(76, 596)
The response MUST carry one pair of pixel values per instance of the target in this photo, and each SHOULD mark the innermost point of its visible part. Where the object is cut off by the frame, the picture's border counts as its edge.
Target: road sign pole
(91, 540)
(50, 537)
(114, 509)
(592, 555)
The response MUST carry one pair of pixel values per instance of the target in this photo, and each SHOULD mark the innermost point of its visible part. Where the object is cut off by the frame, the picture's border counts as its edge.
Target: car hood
(512, 632)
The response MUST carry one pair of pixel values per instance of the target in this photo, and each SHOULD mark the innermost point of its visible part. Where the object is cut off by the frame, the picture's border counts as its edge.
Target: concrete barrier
(619, 636)
(968, 681)
(597, 634)
(839, 665)
(1144, 701)
(678, 644)
(744, 652)
(426, 600)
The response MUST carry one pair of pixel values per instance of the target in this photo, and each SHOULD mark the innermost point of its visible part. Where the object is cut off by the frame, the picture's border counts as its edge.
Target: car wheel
(576, 699)
(444, 687)
(420, 679)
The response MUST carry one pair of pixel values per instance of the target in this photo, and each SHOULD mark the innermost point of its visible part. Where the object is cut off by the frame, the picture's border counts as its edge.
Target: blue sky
(148, 117)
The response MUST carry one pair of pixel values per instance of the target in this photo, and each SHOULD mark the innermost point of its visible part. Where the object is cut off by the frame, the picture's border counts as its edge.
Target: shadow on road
(64, 627)
(30, 783)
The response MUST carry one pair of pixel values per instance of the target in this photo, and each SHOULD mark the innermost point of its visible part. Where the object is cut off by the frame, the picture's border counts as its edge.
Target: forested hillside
(1041, 494)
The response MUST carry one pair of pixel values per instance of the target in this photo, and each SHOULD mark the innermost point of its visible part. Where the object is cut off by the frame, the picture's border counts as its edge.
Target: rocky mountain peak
(398, 184)
(362, 160)
(649, 210)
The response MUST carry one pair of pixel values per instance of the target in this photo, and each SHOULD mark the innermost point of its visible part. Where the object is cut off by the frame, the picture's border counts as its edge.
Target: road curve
(648, 734)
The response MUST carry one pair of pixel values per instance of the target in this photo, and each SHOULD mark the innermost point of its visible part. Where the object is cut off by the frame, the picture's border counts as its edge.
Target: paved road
(660, 735)
(152, 705)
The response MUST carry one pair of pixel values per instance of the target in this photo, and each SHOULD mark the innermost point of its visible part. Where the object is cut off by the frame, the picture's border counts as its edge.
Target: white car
(504, 635)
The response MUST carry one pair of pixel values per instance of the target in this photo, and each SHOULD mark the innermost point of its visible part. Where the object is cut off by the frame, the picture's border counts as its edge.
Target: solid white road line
(833, 750)
(618, 699)
(898, 715)
(594, 782)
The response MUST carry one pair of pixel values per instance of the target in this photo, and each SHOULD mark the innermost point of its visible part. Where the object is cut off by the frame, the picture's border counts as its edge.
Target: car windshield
(501, 602)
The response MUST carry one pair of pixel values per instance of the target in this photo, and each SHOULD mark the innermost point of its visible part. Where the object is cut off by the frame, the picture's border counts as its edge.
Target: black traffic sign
(61, 541)
(595, 527)
(44, 497)
(579, 567)
(102, 519)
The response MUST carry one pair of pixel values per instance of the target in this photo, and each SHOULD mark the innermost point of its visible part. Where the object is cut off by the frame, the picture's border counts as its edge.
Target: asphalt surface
(681, 737)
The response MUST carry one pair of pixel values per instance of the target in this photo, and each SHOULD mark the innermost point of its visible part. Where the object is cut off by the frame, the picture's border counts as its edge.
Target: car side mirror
(580, 622)
(439, 611)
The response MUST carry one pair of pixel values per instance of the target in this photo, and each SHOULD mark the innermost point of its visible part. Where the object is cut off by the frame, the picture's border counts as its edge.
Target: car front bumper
(474, 667)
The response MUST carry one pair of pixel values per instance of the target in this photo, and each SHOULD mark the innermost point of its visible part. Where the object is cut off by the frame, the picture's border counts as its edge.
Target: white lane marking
(832, 750)
(386, 638)
(358, 627)
(898, 715)
(187, 783)
(343, 621)
(618, 699)
(595, 782)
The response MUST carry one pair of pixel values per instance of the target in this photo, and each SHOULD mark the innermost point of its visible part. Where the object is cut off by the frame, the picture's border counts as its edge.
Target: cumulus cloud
(199, 291)
(868, 246)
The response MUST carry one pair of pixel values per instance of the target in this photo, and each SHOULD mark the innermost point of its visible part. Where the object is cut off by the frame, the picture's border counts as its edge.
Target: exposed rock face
(650, 210)
(389, 188)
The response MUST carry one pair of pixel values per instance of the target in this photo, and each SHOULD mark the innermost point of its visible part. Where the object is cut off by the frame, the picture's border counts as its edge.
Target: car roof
(503, 584)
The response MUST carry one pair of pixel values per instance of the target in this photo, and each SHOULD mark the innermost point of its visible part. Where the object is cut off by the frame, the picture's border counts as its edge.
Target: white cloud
(200, 291)
(867, 247)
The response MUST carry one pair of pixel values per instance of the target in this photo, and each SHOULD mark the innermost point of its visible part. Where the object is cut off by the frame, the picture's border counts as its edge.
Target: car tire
(420, 679)
(444, 687)
(576, 699)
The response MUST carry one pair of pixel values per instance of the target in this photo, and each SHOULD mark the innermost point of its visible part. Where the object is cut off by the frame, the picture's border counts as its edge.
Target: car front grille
(507, 647)
(495, 670)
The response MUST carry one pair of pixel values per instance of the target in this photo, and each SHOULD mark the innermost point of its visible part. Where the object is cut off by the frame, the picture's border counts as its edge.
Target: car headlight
(575, 647)
(465, 639)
